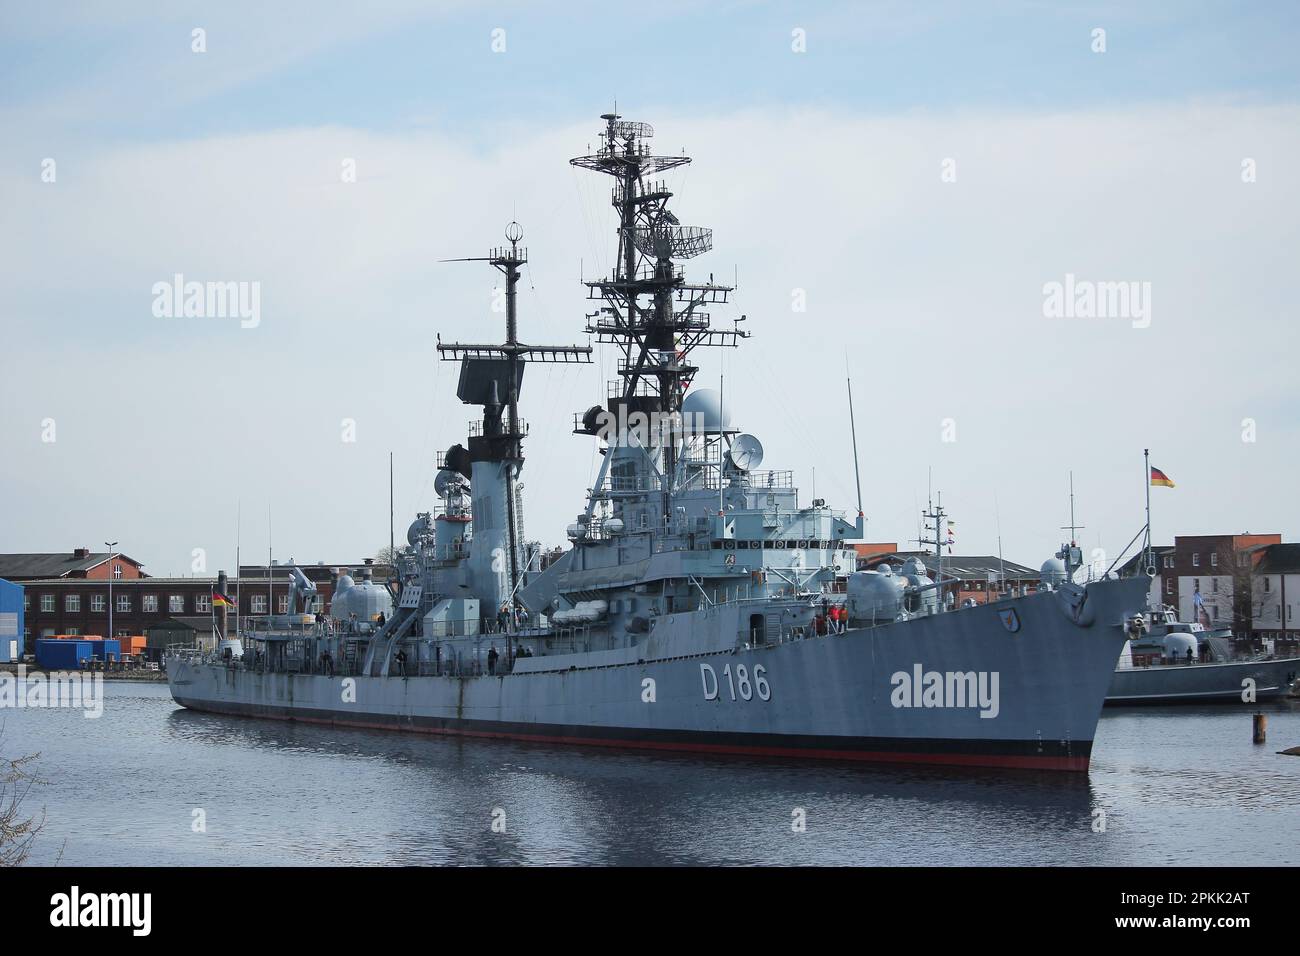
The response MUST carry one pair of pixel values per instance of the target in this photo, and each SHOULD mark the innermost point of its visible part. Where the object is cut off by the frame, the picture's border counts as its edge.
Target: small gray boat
(1167, 661)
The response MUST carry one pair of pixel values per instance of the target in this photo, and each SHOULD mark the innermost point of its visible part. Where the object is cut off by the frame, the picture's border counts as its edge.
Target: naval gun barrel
(301, 582)
(301, 585)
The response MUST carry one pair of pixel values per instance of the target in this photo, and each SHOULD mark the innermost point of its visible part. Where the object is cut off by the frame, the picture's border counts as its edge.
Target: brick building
(1275, 595)
(1214, 578)
(868, 551)
(80, 563)
(79, 604)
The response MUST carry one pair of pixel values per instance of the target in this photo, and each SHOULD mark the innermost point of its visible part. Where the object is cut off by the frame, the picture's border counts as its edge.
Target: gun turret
(300, 588)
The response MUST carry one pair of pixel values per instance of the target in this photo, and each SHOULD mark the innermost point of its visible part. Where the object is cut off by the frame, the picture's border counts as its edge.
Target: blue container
(55, 655)
(109, 649)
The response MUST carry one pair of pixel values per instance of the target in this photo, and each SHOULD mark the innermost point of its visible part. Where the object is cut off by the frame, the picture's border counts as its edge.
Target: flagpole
(1146, 463)
(392, 548)
(853, 429)
(722, 436)
(270, 585)
(238, 524)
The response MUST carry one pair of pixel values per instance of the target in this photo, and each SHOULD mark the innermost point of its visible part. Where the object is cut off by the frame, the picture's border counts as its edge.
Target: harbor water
(151, 784)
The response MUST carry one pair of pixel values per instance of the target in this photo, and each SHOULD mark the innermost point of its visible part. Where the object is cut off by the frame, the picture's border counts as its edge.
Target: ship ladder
(402, 629)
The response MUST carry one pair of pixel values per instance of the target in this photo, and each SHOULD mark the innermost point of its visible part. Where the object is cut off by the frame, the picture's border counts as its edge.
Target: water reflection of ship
(597, 807)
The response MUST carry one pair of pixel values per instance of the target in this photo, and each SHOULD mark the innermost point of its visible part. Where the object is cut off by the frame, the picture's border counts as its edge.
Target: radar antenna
(649, 310)
(491, 376)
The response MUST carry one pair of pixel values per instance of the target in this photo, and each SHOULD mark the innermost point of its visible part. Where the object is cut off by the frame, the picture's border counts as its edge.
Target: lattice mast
(651, 312)
(491, 376)
(936, 516)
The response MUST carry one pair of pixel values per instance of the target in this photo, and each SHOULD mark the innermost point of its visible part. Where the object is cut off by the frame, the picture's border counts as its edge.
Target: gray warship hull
(701, 604)
(1221, 682)
(1018, 683)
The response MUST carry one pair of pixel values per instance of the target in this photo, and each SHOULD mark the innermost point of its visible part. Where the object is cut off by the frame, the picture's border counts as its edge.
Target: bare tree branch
(17, 831)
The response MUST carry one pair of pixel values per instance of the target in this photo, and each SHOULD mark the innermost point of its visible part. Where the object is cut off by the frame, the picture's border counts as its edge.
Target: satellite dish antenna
(442, 483)
(746, 452)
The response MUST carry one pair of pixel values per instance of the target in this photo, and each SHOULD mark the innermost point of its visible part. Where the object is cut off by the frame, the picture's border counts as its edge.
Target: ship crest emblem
(1010, 619)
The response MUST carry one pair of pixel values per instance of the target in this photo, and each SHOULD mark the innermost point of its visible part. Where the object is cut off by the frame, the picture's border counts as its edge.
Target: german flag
(221, 600)
(1159, 478)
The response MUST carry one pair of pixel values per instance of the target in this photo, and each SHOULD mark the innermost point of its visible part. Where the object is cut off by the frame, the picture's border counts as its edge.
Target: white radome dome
(705, 408)
(1177, 645)
(1052, 571)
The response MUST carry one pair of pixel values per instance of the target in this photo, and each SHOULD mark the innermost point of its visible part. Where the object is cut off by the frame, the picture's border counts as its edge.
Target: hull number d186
(739, 684)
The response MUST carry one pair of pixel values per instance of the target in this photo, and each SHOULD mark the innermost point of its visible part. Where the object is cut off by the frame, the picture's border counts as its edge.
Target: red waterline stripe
(1007, 761)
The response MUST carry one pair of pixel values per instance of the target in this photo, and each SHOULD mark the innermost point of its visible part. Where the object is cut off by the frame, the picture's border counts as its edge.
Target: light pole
(111, 545)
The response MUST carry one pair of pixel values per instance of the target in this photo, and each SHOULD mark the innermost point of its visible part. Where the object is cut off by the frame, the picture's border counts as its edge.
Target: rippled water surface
(1176, 785)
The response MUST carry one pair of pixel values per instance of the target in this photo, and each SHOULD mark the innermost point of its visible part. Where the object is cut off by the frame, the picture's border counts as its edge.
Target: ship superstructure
(700, 603)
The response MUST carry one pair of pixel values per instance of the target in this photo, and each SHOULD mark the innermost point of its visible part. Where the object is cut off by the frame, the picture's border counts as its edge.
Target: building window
(97, 603)
(176, 604)
(1196, 559)
(117, 570)
(1169, 561)
(1266, 585)
(282, 602)
(123, 603)
(149, 603)
(47, 602)
(1214, 585)
(1169, 586)
(257, 604)
(74, 631)
(72, 603)
(27, 601)
(1214, 559)
(202, 603)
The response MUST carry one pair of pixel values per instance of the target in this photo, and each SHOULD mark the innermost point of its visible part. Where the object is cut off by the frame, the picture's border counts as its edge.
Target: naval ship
(1167, 661)
(701, 604)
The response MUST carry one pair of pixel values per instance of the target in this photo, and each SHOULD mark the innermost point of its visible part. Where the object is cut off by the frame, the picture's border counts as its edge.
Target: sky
(895, 187)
